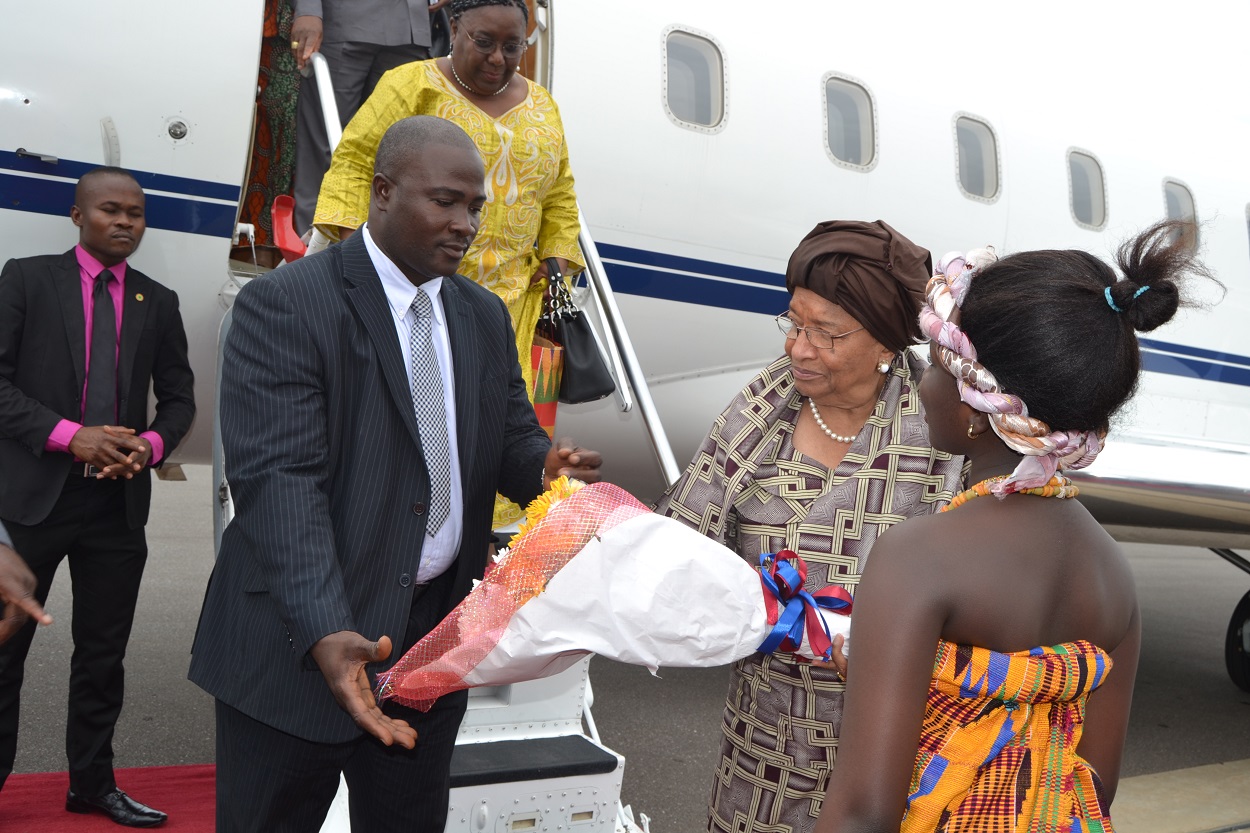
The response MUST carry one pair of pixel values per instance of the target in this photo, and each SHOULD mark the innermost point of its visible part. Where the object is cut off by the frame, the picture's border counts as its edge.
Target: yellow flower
(559, 489)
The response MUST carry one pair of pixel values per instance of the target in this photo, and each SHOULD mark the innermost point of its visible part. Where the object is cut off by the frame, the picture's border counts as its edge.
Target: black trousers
(355, 69)
(271, 782)
(106, 560)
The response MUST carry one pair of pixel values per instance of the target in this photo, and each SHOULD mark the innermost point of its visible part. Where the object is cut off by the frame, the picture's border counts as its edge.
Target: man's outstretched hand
(342, 658)
(17, 594)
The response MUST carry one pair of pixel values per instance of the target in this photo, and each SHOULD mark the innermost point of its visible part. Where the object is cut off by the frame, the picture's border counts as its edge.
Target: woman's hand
(543, 274)
(839, 661)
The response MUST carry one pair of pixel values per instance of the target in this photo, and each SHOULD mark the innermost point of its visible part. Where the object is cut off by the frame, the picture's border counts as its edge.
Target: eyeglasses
(820, 339)
(487, 46)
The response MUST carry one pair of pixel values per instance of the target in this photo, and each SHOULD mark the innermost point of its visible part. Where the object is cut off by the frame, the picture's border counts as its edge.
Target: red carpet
(35, 803)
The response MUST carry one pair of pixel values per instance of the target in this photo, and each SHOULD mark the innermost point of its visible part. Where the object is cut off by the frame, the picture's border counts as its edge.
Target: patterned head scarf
(1044, 450)
(871, 271)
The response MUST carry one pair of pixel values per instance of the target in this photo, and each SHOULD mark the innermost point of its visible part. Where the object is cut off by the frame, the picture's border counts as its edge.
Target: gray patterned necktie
(427, 400)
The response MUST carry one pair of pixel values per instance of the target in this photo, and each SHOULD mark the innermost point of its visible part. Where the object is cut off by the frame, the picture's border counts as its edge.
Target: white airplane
(707, 138)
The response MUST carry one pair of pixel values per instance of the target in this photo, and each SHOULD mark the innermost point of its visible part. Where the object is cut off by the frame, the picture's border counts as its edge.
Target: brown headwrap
(871, 271)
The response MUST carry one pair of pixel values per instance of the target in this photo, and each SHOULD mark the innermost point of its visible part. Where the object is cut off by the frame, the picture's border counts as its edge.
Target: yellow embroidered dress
(998, 745)
(531, 208)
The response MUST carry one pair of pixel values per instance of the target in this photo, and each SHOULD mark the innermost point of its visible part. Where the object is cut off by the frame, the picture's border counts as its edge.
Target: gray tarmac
(1186, 712)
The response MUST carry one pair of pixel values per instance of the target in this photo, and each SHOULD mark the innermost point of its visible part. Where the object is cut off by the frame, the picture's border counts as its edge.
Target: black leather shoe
(118, 806)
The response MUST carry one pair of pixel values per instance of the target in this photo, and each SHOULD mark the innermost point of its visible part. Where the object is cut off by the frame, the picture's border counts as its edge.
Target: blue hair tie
(1110, 303)
(1141, 290)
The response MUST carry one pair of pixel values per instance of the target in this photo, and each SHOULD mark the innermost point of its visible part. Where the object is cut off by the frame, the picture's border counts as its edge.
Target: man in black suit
(83, 336)
(371, 406)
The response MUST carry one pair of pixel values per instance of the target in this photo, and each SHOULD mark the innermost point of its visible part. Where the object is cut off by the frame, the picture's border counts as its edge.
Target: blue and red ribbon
(790, 608)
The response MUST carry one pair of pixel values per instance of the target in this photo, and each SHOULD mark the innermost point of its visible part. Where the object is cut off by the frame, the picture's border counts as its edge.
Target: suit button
(418, 508)
(405, 580)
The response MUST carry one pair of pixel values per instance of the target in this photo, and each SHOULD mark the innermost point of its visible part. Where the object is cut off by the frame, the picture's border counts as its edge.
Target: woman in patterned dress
(531, 208)
(1011, 736)
(819, 454)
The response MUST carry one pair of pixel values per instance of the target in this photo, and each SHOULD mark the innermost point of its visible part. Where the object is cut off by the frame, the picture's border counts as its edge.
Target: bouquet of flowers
(594, 571)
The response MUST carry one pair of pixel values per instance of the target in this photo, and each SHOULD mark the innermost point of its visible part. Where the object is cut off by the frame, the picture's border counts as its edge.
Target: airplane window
(694, 81)
(977, 153)
(1179, 201)
(850, 132)
(1087, 189)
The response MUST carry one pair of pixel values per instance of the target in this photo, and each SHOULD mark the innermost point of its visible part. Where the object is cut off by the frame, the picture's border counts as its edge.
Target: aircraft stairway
(593, 295)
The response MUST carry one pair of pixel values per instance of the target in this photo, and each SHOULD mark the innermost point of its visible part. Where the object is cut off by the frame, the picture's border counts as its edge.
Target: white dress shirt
(440, 549)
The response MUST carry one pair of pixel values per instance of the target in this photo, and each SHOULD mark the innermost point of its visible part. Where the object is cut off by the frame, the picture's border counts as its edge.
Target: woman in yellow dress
(531, 208)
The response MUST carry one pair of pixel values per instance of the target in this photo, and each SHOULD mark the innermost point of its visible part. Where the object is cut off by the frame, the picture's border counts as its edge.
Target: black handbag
(586, 377)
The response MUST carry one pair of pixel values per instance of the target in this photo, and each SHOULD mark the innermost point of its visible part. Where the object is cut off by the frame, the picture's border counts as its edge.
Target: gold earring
(883, 368)
(971, 435)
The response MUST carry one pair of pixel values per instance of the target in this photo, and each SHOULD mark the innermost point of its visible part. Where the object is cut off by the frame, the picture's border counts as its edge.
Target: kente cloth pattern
(439, 663)
(998, 745)
(750, 489)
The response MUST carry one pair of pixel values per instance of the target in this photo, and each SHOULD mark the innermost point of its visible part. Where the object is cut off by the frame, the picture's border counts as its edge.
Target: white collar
(399, 290)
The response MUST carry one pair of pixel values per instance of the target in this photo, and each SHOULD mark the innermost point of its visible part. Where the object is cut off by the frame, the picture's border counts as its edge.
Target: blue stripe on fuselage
(149, 181)
(671, 278)
(651, 274)
(188, 212)
(190, 216)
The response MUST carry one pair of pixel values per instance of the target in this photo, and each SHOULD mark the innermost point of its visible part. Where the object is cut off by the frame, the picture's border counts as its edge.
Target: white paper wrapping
(649, 592)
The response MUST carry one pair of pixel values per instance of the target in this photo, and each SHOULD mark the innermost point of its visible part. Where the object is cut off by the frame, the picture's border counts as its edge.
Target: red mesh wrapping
(438, 663)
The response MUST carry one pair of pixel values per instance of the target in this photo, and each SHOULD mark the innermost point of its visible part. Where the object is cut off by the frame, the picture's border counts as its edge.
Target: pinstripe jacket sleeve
(277, 447)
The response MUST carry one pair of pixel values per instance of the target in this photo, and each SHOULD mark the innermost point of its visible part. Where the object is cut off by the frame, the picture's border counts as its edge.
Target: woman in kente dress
(1019, 723)
(820, 453)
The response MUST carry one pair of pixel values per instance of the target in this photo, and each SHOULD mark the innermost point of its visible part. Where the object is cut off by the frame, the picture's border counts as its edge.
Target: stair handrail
(325, 93)
(624, 361)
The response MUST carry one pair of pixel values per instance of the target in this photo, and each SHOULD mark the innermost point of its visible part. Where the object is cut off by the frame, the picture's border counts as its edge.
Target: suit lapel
(136, 301)
(364, 293)
(68, 283)
(466, 365)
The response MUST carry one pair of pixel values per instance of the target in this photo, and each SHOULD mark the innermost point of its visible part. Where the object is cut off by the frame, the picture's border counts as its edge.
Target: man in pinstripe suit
(345, 534)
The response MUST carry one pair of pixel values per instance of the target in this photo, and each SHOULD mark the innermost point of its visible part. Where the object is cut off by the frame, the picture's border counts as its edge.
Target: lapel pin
(138, 296)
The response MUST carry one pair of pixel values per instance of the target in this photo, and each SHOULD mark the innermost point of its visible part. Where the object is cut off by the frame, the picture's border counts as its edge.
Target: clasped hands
(114, 450)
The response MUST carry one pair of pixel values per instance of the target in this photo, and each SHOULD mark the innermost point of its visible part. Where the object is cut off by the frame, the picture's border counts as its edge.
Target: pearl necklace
(825, 428)
(456, 75)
